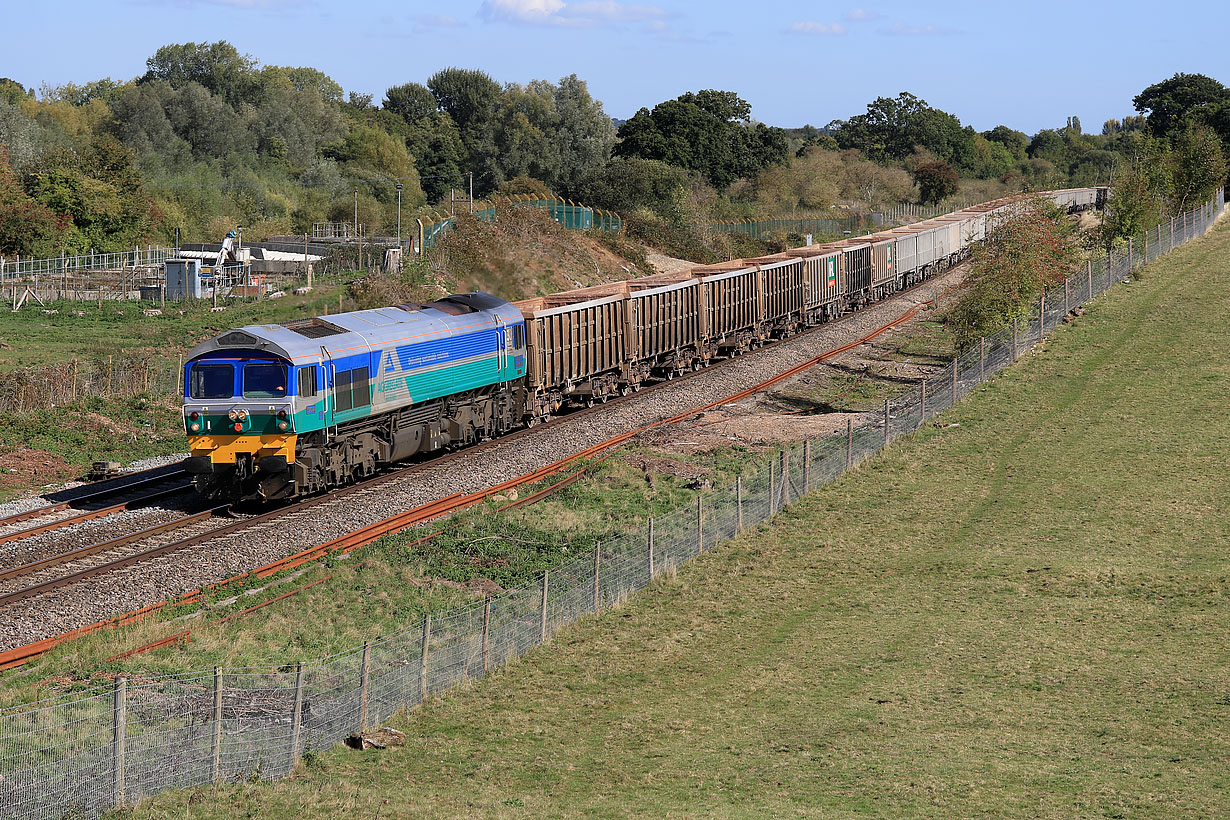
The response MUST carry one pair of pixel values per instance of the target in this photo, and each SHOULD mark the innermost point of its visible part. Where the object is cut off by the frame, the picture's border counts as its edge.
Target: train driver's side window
(307, 381)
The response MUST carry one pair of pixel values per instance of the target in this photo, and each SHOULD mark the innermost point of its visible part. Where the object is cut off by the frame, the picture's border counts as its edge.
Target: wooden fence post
(652, 568)
(700, 524)
(739, 503)
(215, 745)
(296, 716)
(423, 658)
(486, 633)
(365, 667)
(542, 628)
(119, 735)
(807, 465)
(886, 422)
(849, 443)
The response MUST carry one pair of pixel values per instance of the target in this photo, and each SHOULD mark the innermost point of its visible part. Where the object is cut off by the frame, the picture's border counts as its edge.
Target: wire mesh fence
(86, 753)
(43, 388)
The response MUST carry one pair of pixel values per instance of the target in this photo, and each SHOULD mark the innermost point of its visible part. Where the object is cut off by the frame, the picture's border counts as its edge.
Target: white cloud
(861, 15)
(906, 30)
(814, 28)
(574, 14)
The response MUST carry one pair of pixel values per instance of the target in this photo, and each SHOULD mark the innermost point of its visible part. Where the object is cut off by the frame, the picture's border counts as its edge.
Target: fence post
(1066, 297)
(1146, 253)
(982, 359)
(922, 403)
(1129, 254)
(652, 569)
(700, 524)
(1171, 248)
(1089, 273)
(423, 658)
(597, 575)
(296, 716)
(954, 380)
(886, 422)
(849, 442)
(365, 669)
(542, 626)
(215, 746)
(739, 503)
(1014, 338)
(119, 734)
(1041, 315)
(486, 633)
(807, 465)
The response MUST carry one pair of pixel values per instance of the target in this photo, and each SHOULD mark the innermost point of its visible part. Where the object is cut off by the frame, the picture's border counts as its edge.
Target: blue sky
(1028, 66)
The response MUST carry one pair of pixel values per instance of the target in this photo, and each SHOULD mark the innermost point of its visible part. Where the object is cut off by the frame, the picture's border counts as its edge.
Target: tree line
(208, 138)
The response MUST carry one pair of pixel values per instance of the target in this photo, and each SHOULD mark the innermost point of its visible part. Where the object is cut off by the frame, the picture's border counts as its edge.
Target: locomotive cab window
(212, 381)
(518, 335)
(264, 380)
(307, 381)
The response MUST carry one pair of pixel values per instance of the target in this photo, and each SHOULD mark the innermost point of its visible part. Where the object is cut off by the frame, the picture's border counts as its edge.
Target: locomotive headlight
(243, 415)
(283, 425)
(281, 414)
(194, 427)
(194, 415)
(232, 415)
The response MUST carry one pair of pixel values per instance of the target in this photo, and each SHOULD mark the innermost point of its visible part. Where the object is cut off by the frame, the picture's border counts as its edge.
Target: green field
(32, 337)
(1021, 616)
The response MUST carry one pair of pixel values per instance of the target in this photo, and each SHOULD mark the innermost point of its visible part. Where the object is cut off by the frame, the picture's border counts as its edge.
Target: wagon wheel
(636, 388)
(625, 389)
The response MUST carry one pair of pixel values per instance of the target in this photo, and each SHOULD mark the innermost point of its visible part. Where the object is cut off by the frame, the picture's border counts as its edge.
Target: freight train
(285, 410)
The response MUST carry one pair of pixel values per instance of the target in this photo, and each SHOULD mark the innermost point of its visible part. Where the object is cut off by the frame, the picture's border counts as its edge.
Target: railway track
(94, 503)
(74, 566)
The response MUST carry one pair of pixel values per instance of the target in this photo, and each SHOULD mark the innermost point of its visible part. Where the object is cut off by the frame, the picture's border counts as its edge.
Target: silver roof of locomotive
(360, 330)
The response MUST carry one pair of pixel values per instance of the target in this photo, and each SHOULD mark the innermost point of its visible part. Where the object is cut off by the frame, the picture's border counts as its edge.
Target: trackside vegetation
(1017, 612)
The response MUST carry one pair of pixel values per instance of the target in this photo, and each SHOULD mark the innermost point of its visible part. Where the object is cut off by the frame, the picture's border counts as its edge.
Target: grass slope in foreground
(1023, 616)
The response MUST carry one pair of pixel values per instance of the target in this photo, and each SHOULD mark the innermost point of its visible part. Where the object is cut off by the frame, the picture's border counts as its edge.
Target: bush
(1027, 252)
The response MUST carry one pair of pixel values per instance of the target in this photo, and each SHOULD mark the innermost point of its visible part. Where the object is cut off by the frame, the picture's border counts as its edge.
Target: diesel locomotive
(284, 410)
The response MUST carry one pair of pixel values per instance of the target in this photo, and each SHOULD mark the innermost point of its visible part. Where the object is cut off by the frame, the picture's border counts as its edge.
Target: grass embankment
(1020, 616)
(388, 585)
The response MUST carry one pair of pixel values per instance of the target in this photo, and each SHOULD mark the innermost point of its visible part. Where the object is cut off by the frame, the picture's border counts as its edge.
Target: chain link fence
(86, 753)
